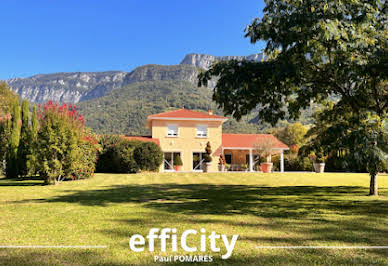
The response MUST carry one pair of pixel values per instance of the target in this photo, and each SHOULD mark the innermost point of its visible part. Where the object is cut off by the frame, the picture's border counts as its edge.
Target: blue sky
(97, 35)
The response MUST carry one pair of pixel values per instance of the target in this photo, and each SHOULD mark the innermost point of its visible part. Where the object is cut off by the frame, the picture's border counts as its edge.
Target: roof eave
(188, 119)
(248, 148)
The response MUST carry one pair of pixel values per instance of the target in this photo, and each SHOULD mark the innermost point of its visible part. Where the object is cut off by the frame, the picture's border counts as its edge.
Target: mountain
(125, 110)
(119, 102)
(65, 87)
(79, 86)
(204, 61)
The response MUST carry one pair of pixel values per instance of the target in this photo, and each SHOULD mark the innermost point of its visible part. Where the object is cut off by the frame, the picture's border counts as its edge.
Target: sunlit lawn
(263, 209)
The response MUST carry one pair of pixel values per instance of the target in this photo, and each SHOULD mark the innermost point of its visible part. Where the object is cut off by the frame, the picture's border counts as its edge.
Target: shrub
(276, 162)
(119, 155)
(177, 160)
(86, 166)
(148, 156)
(123, 160)
(320, 157)
(105, 156)
(297, 164)
(207, 156)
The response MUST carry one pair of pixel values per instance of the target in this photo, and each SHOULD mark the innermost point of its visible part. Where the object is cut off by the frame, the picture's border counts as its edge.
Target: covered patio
(241, 154)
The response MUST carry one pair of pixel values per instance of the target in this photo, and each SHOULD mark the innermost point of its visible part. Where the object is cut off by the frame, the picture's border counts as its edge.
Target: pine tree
(12, 162)
(25, 141)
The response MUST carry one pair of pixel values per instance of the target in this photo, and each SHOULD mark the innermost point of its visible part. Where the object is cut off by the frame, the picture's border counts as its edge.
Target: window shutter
(172, 130)
(201, 131)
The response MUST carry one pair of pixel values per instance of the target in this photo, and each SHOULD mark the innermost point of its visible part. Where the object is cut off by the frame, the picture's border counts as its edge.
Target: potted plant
(319, 162)
(207, 158)
(264, 149)
(177, 162)
(244, 167)
(221, 163)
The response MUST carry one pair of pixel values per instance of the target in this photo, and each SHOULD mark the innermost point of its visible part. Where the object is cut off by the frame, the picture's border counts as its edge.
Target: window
(197, 161)
(202, 131)
(169, 160)
(172, 130)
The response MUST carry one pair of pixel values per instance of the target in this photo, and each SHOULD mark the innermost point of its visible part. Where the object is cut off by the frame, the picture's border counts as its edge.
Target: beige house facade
(185, 133)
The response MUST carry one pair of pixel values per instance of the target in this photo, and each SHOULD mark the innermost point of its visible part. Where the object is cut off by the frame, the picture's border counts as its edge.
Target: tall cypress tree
(33, 151)
(34, 121)
(5, 132)
(25, 141)
(12, 162)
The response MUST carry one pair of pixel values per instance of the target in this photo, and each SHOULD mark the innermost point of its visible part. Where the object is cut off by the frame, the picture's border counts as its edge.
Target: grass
(263, 209)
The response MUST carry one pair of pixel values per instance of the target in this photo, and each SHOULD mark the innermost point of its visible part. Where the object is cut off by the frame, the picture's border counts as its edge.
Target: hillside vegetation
(124, 111)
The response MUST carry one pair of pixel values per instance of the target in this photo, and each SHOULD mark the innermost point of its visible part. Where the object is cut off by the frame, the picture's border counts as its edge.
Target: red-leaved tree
(65, 148)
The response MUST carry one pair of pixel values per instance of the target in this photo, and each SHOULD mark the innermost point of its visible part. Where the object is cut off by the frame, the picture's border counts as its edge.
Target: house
(184, 132)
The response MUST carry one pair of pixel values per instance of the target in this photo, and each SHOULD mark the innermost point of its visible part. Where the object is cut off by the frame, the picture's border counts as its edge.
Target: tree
(5, 133)
(12, 154)
(32, 159)
(61, 139)
(24, 149)
(264, 149)
(314, 50)
(291, 134)
(7, 99)
(357, 140)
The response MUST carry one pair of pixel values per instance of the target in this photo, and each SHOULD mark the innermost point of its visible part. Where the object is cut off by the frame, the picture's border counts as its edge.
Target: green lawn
(263, 209)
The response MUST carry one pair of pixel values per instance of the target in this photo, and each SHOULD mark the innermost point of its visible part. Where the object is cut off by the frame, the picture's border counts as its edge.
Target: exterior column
(282, 161)
(250, 161)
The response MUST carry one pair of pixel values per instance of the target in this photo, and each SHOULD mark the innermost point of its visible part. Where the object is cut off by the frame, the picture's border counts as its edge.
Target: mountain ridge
(80, 86)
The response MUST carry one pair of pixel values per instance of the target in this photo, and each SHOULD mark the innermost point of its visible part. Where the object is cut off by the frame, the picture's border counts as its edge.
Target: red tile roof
(186, 114)
(250, 140)
(142, 138)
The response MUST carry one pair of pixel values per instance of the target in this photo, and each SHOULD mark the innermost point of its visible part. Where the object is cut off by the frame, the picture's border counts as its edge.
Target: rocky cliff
(65, 87)
(204, 61)
(80, 86)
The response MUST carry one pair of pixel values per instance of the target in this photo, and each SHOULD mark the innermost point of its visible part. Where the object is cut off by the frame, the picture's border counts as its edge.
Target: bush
(123, 160)
(149, 156)
(297, 164)
(87, 164)
(105, 156)
(119, 155)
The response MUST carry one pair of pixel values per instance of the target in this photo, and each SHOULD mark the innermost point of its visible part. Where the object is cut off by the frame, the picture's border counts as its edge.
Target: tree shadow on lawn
(52, 257)
(268, 202)
(18, 182)
(321, 213)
